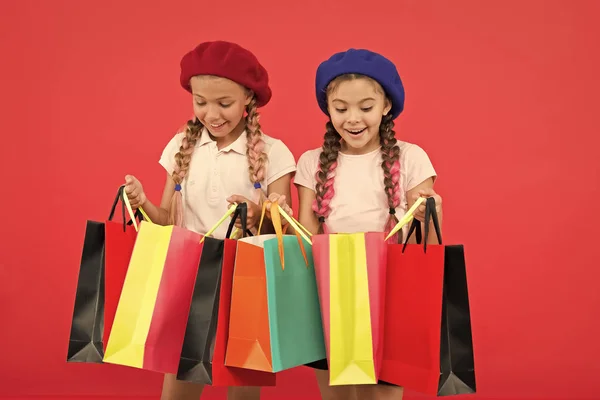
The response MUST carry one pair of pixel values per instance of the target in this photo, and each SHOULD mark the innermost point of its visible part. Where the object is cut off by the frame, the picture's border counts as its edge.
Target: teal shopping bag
(296, 329)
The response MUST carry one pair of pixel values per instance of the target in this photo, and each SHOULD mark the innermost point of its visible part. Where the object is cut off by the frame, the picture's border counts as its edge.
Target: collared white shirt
(215, 174)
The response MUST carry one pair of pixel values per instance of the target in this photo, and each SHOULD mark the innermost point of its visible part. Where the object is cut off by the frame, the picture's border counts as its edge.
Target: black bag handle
(430, 215)
(241, 211)
(120, 194)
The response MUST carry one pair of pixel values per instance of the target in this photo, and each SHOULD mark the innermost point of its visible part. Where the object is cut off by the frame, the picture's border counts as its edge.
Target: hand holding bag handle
(406, 218)
(299, 230)
(241, 211)
(430, 215)
(237, 210)
(138, 215)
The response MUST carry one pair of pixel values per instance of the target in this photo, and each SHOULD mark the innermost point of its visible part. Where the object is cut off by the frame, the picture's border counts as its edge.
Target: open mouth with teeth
(355, 131)
(217, 125)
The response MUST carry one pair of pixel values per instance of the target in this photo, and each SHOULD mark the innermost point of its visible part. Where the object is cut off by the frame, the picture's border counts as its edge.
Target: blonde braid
(193, 131)
(257, 158)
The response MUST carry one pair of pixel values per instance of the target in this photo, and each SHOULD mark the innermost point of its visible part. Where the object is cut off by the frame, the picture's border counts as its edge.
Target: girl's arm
(412, 196)
(160, 215)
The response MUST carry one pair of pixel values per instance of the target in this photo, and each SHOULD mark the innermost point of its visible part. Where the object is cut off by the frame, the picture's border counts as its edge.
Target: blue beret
(366, 63)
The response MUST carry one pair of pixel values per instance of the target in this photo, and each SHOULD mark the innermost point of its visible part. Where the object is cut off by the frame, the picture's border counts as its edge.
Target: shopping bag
(296, 329)
(203, 354)
(275, 321)
(351, 272)
(104, 259)
(151, 317)
(118, 248)
(427, 338)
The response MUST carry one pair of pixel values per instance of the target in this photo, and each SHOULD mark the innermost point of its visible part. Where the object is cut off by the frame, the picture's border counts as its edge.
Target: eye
(340, 110)
(367, 109)
(225, 105)
(200, 104)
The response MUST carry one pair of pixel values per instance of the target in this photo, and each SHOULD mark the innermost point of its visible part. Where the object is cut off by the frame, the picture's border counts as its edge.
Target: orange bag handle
(279, 231)
(266, 204)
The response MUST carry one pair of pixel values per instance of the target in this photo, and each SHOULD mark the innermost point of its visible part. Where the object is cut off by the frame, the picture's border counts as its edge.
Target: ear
(388, 106)
(249, 96)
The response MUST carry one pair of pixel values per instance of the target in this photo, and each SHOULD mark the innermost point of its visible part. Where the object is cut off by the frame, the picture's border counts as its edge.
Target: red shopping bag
(427, 343)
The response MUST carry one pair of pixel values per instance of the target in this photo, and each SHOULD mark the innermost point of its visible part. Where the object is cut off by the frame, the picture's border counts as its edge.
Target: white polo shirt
(214, 175)
(359, 202)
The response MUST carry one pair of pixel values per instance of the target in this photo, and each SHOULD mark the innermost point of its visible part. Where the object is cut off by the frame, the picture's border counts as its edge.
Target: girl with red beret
(221, 157)
(362, 179)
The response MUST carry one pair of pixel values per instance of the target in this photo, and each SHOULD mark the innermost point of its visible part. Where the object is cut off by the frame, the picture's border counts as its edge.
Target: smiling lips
(217, 126)
(355, 131)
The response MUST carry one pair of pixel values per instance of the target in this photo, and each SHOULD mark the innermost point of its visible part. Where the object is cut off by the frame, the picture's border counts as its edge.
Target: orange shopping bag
(250, 340)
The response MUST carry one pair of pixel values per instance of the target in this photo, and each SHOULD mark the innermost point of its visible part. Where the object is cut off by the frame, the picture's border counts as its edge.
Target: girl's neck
(356, 151)
(231, 136)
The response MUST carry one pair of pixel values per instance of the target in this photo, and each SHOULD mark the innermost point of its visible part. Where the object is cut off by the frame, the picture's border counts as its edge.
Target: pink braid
(390, 153)
(326, 174)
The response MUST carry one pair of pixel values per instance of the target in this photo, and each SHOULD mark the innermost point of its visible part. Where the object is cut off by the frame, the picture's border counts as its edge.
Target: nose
(353, 116)
(212, 113)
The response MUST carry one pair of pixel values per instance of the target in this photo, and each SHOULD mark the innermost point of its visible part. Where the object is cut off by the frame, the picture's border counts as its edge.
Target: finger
(427, 192)
(419, 213)
(134, 193)
(130, 189)
(273, 197)
(129, 179)
(237, 199)
(281, 201)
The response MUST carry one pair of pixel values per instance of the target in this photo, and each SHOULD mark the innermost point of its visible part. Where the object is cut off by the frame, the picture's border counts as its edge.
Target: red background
(501, 94)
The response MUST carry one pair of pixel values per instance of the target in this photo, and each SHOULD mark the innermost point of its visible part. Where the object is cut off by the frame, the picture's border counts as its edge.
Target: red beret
(227, 60)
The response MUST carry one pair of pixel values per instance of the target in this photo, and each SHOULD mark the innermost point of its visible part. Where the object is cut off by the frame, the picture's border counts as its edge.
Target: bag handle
(276, 213)
(266, 204)
(406, 218)
(241, 211)
(138, 215)
(232, 209)
(430, 215)
(298, 227)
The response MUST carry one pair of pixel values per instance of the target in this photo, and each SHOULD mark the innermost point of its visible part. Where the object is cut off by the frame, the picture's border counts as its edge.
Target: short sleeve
(307, 168)
(418, 166)
(281, 161)
(167, 158)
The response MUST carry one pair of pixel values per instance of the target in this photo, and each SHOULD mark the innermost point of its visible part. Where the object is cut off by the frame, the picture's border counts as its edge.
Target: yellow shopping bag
(350, 271)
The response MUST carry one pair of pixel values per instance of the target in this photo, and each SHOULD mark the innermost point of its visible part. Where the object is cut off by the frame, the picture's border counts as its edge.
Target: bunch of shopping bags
(231, 312)
(221, 312)
(397, 313)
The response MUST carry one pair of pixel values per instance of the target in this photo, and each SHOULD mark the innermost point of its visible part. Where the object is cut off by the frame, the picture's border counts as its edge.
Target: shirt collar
(239, 146)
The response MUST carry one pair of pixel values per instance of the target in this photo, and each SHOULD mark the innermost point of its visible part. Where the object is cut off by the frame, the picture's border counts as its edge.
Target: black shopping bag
(87, 325)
